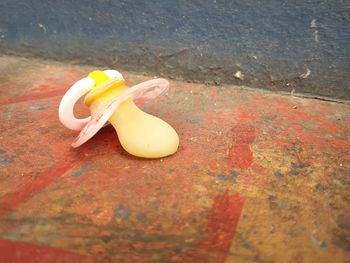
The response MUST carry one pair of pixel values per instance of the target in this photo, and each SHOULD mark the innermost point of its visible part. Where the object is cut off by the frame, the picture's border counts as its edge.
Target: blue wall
(272, 42)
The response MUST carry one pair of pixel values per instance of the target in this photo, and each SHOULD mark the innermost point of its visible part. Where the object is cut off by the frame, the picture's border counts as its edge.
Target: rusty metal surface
(258, 177)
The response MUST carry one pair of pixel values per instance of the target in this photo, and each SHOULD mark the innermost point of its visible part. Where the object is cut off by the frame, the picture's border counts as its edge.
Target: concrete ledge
(279, 45)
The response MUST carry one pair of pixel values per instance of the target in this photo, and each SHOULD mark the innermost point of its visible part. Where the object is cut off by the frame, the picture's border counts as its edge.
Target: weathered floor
(258, 177)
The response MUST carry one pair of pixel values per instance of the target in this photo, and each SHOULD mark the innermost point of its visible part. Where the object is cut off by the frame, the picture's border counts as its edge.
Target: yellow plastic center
(98, 76)
(104, 89)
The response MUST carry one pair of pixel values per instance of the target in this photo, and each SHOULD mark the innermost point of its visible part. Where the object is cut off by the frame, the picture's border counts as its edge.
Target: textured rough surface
(275, 44)
(259, 177)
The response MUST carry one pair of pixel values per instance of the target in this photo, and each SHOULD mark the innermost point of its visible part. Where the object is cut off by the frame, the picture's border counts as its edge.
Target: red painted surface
(243, 134)
(10, 201)
(223, 220)
(31, 97)
(15, 251)
(285, 154)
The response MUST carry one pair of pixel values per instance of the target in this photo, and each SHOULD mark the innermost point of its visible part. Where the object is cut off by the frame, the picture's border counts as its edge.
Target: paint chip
(234, 173)
(278, 174)
(122, 212)
(313, 23)
(82, 170)
(221, 177)
(306, 74)
(37, 108)
(194, 139)
(141, 217)
(42, 27)
(239, 75)
(5, 159)
(294, 172)
(323, 244)
(272, 198)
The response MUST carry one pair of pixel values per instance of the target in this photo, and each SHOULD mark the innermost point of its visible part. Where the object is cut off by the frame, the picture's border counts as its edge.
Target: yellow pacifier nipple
(140, 133)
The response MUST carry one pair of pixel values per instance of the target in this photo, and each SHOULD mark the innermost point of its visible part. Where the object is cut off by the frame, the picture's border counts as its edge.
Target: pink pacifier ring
(144, 91)
(74, 93)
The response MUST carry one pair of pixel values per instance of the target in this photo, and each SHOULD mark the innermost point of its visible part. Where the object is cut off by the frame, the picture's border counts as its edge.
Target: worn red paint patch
(31, 97)
(10, 201)
(223, 220)
(214, 93)
(240, 154)
(243, 134)
(15, 251)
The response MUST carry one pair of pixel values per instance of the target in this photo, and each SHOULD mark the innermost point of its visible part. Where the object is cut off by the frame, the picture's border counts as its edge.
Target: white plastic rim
(74, 93)
(147, 90)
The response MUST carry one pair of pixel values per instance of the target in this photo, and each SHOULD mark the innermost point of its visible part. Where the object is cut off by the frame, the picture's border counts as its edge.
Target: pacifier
(108, 99)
